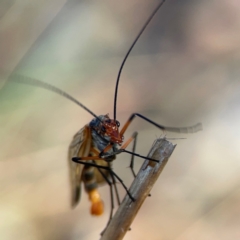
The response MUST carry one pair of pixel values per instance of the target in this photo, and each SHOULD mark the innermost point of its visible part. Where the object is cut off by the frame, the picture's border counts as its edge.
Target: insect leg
(111, 196)
(132, 157)
(91, 158)
(115, 186)
(134, 139)
(191, 129)
(77, 160)
(99, 157)
(105, 155)
(112, 200)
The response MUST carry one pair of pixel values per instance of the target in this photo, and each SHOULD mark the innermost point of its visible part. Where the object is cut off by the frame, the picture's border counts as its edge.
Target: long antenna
(130, 49)
(47, 86)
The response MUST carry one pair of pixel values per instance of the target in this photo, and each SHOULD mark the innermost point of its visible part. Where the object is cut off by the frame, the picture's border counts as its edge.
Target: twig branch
(140, 189)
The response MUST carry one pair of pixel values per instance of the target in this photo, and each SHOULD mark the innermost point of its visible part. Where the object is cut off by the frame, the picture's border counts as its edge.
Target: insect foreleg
(121, 150)
(191, 129)
(78, 160)
(141, 156)
(91, 158)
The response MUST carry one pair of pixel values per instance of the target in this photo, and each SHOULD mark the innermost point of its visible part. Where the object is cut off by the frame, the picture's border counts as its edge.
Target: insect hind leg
(111, 196)
(111, 184)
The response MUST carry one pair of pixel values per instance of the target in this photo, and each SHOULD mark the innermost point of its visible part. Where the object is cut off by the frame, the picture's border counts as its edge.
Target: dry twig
(140, 189)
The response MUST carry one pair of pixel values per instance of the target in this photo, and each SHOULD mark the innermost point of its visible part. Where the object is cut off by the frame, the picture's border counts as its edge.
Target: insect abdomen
(89, 178)
(90, 184)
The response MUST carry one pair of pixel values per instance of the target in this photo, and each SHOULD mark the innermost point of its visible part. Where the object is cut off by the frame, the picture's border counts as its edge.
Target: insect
(96, 145)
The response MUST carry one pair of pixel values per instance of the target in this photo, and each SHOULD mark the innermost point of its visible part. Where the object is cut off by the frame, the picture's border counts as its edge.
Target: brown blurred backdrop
(184, 69)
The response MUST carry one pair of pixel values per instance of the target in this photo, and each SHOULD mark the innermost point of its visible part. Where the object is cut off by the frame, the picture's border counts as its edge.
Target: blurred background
(183, 70)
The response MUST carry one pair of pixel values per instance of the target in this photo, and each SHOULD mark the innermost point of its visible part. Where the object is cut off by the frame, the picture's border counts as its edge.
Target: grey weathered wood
(140, 189)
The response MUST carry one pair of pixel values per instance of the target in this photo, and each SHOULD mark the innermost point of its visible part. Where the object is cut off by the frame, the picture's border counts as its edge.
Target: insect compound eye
(118, 123)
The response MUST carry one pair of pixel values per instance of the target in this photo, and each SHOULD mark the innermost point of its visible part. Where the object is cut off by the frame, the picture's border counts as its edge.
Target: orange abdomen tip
(97, 208)
(97, 203)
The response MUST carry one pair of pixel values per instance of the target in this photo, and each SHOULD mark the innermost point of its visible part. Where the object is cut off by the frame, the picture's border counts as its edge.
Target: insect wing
(79, 147)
